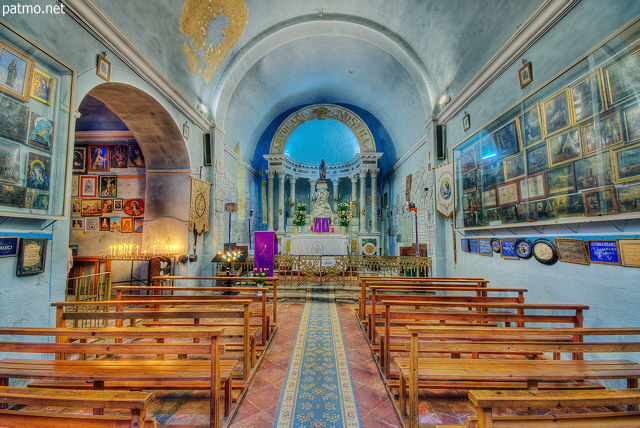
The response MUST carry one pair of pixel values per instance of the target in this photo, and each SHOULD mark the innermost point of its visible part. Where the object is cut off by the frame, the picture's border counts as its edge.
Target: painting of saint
(14, 119)
(9, 162)
(119, 156)
(556, 113)
(40, 132)
(98, 158)
(136, 158)
(16, 71)
(38, 171)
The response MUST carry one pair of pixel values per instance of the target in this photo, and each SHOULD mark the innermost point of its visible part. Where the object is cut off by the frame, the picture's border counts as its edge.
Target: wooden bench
(486, 401)
(117, 368)
(215, 310)
(509, 373)
(136, 402)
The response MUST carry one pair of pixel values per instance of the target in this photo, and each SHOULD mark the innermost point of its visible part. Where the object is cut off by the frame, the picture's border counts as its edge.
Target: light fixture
(202, 108)
(444, 100)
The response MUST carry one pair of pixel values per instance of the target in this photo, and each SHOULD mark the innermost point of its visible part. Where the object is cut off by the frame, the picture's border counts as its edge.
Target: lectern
(266, 247)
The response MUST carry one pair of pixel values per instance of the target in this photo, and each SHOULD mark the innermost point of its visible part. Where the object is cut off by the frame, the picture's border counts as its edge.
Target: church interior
(341, 213)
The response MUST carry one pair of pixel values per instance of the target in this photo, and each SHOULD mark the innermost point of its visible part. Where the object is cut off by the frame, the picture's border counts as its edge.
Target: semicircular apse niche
(319, 139)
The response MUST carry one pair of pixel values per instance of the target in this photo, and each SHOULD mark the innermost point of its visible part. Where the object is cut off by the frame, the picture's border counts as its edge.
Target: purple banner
(321, 225)
(266, 247)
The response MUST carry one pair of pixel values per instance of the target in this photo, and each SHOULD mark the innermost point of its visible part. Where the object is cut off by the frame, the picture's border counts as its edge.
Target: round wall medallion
(495, 245)
(545, 251)
(524, 248)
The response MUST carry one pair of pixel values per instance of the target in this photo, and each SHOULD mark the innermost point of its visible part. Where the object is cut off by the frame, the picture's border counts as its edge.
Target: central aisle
(318, 389)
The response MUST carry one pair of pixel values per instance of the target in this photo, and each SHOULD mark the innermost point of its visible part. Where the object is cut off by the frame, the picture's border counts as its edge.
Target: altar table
(320, 244)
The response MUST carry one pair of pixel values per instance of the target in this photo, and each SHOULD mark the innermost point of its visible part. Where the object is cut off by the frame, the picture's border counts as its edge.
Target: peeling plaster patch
(211, 30)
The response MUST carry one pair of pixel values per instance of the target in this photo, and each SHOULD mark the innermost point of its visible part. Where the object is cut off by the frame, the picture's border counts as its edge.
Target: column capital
(374, 172)
(354, 178)
(292, 179)
(271, 174)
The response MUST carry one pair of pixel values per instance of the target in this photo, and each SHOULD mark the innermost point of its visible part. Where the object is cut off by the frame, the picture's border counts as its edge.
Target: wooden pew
(102, 372)
(486, 401)
(510, 373)
(196, 315)
(136, 402)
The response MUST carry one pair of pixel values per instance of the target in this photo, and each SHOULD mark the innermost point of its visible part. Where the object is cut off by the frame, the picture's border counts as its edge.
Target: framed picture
(466, 121)
(586, 97)
(77, 224)
(524, 248)
(138, 225)
(32, 253)
(470, 181)
(600, 201)
(570, 205)
(115, 224)
(469, 160)
(14, 119)
(561, 180)
(136, 158)
(117, 204)
(508, 193)
(537, 158)
(470, 219)
(545, 251)
(508, 249)
(572, 251)
(484, 247)
(76, 206)
(38, 199)
(74, 250)
(555, 110)
(495, 245)
(524, 74)
(565, 147)
(621, 77)
(105, 224)
(126, 225)
(133, 207)
(108, 186)
(610, 133)
(464, 245)
(525, 213)
(508, 214)
(514, 167)
(629, 198)
(632, 123)
(38, 171)
(103, 69)
(91, 207)
(98, 159)
(629, 252)
(471, 202)
(42, 87)
(490, 198)
(107, 206)
(40, 132)
(603, 251)
(531, 131)
(80, 160)
(91, 224)
(88, 186)
(119, 156)
(626, 164)
(533, 187)
(16, 72)
(12, 195)
(506, 140)
(185, 130)
(488, 150)
(473, 245)
(10, 162)
(493, 174)
(594, 171)
(544, 209)
(75, 185)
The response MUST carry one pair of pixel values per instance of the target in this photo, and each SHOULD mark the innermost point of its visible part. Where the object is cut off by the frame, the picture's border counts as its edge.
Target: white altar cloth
(319, 244)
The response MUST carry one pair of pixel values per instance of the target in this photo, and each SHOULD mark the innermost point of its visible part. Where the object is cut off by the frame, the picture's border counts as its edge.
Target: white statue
(321, 207)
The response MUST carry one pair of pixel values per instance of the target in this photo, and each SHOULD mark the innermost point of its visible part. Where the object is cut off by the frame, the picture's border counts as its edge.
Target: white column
(270, 175)
(292, 195)
(354, 188)
(374, 200)
(312, 192)
(363, 201)
(336, 183)
(281, 208)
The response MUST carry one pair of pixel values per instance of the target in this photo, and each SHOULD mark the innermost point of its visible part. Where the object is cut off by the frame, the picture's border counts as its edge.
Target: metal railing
(89, 288)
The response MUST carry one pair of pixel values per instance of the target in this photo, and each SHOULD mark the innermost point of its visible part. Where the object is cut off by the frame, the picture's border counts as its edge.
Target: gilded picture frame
(556, 112)
(632, 123)
(572, 251)
(525, 76)
(629, 252)
(103, 68)
(43, 87)
(16, 72)
(565, 147)
(622, 76)
(626, 164)
(561, 180)
(586, 97)
(32, 254)
(531, 129)
(600, 201)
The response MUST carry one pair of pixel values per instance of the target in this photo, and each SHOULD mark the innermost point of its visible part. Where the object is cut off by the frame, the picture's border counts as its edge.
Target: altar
(319, 244)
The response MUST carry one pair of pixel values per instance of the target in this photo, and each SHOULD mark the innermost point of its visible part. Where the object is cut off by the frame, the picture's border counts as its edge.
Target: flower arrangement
(344, 219)
(260, 273)
(300, 218)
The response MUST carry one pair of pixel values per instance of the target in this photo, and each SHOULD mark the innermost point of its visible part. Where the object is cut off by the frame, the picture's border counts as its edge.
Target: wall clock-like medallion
(545, 251)
(524, 248)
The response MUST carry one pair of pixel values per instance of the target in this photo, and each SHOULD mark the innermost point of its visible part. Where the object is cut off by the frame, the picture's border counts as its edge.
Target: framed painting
(185, 130)
(136, 157)
(601, 201)
(77, 224)
(561, 180)
(88, 186)
(79, 160)
(37, 199)
(484, 247)
(103, 68)
(544, 209)
(40, 132)
(12, 195)
(537, 158)
(32, 253)
(570, 205)
(565, 147)
(133, 207)
(493, 174)
(91, 224)
(603, 251)
(508, 249)
(490, 198)
(473, 245)
(555, 111)
(629, 252)
(91, 207)
(38, 171)
(76, 205)
(508, 214)
(469, 160)
(470, 181)
(115, 224)
(138, 225)
(42, 87)
(126, 225)
(545, 251)
(629, 199)
(508, 193)
(622, 77)
(16, 72)
(472, 202)
(464, 245)
(98, 159)
(75, 183)
(531, 131)
(586, 96)
(533, 187)
(524, 74)
(119, 156)
(488, 150)
(14, 119)
(9, 162)
(626, 164)
(572, 251)
(117, 204)
(108, 186)
(466, 121)
(514, 167)
(524, 212)
(107, 206)
(105, 224)
(594, 171)
(610, 133)
(506, 140)
(632, 123)
(470, 219)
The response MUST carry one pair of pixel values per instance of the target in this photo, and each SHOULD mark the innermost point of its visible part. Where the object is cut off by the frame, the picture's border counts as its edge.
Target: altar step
(343, 294)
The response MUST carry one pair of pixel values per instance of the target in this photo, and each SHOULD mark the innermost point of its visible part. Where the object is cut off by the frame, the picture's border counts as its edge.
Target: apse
(319, 139)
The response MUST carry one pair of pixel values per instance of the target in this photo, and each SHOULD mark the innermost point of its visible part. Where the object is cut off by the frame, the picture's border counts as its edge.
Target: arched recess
(167, 160)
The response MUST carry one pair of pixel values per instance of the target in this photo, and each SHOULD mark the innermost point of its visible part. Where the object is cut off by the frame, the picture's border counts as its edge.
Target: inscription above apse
(323, 111)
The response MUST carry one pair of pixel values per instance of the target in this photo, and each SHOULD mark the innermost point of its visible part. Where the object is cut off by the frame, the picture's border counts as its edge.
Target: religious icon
(40, 132)
(98, 158)
(134, 207)
(38, 167)
(136, 158)
(323, 170)
(119, 156)
(108, 186)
